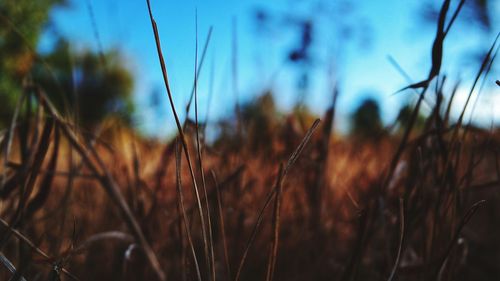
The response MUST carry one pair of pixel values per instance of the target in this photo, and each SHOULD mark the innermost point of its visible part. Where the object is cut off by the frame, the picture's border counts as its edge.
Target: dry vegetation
(420, 205)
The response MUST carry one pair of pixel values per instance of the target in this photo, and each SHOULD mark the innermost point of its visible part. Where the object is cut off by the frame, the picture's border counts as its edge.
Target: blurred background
(99, 57)
(385, 187)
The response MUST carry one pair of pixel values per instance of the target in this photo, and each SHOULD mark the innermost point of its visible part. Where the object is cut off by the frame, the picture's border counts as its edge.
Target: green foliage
(21, 22)
(87, 85)
(83, 84)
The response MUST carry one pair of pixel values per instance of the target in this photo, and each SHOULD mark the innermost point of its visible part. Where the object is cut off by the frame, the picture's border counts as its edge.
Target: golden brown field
(330, 217)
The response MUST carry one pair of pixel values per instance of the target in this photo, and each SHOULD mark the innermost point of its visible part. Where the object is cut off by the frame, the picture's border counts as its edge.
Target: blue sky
(361, 69)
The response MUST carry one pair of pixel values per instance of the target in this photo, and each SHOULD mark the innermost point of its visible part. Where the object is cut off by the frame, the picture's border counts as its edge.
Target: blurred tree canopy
(366, 120)
(259, 120)
(404, 117)
(21, 23)
(86, 84)
(83, 84)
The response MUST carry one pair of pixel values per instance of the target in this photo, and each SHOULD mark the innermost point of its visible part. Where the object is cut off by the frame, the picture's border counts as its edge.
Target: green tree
(21, 23)
(87, 85)
(84, 84)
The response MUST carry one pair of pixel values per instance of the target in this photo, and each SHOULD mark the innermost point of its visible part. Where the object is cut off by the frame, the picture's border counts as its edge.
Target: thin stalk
(183, 208)
(222, 225)
(179, 127)
(211, 262)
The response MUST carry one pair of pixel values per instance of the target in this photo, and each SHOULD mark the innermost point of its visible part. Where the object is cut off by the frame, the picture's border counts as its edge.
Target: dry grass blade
(180, 196)
(163, 66)
(450, 102)
(454, 138)
(480, 90)
(260, 218)
(27, 152)
(46, 183)
(437, 47)
(295, 155)
(137, 178)
(179, 129)
(350, 269)
(454, 17)
(413, 86)
(273, 250)
(3, 134)
(182, 248)
(437, 58)
(18, 166)
(483, 67)
(472, 210)
(14, 181)
(200, 65)
(212, 195)
(28, 242)
(210, 250)
(27, 188)
(317, 188)
(95, 32)
(113, 191)
(401, 239)
(24, 239)
(279, 181)
(399, 68)
(10, 136)
(222, 225)
(109, 235)
(202, 172)
(10, 267)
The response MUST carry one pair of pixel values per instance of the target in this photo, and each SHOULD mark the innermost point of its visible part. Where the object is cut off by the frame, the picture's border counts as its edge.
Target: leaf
(418, 85)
